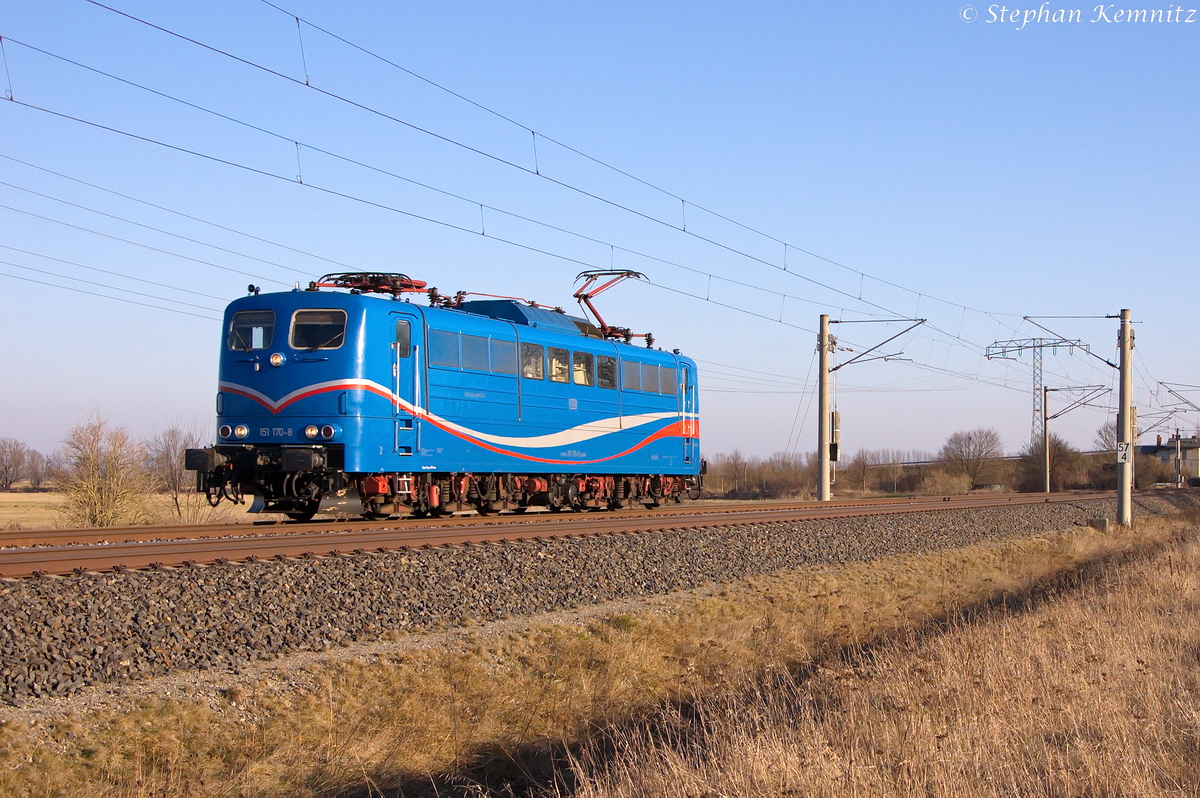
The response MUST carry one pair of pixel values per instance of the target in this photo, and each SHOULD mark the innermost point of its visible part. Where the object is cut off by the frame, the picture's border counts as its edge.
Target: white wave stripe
(275, 406)
(567, 437)
(583, 432)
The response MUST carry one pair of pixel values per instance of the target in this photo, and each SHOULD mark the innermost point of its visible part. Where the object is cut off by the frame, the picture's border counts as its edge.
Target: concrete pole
(1125, 422)
(1045, 440)
(1178, 460)
(1133, 436)
(823, 492)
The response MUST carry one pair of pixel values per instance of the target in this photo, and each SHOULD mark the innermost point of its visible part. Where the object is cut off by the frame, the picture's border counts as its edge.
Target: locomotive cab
(292, 399)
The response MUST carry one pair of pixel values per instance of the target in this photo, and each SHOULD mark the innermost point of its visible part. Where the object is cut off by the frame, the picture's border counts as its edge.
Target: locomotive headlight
(328, 432)
(241, 431)
(225, 431)
(311, 431)
(277, 360)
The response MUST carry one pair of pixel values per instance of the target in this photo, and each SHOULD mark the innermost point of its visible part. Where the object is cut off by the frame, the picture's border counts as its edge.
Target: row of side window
(477, 353)
(472, 352)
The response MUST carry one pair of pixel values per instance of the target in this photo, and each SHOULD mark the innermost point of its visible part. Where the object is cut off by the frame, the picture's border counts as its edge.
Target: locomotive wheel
(305, 514)
(371, 515)
(693, 494)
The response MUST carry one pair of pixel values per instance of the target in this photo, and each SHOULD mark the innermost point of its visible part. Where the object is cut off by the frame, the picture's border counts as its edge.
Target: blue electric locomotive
(358, 402)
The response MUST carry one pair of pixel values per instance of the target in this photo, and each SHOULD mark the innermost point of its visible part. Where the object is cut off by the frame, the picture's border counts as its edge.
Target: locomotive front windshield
(251, 329)
(318, 329)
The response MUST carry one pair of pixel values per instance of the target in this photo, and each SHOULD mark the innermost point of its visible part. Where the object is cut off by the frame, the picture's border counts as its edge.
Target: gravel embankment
(57, 635)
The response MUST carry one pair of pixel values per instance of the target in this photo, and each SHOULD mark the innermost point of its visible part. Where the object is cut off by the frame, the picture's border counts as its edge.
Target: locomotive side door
(691, 421)
(406, 380)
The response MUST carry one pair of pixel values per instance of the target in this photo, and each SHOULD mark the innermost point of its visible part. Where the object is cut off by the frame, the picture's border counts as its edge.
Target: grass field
(29, 510)
(1070, 673)
(40, 510)
(1087, 689)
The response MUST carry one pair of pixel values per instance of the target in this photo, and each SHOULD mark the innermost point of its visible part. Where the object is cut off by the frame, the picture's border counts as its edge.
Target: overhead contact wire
(436, 221)
(618, 170)
(111, 287)
(482, 230)
(525, 169)
(379, 170)
(105, 296)
(152, 227)
(138, 244)
(180, 214)
(115, 274)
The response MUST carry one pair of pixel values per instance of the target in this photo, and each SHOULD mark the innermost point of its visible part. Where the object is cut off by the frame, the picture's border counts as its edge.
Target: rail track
(74, 551)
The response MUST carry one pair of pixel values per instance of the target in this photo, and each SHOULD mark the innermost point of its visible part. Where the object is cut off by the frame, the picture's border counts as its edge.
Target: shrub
(939, 482)
(102, 476)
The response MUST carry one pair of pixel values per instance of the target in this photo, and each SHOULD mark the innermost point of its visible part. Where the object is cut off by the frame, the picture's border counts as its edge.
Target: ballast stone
(60, 635)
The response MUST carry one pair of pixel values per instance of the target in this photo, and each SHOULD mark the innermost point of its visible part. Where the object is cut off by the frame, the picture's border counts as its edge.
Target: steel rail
(373, 536)
(126, 534)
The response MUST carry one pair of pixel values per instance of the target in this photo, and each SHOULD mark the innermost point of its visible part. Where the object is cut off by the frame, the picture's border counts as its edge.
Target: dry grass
(34, 510)
(396, 721)
(1085, 692)
(939, 482)
(44, 510)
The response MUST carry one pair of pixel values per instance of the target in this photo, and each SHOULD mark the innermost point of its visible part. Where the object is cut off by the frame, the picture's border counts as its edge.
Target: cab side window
(582, 369)
(560, 365)
(532, 362)
(606, 371)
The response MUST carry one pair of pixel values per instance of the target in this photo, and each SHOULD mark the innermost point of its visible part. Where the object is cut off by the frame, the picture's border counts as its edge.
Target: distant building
(1187, 449)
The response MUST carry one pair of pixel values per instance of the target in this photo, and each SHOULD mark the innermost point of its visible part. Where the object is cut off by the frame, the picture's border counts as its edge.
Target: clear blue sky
(1049, 169)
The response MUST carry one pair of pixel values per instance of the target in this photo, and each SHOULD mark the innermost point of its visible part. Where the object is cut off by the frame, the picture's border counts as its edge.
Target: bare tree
(55, 465)
(968, 452)
(1106, 437)
(890, 466)
(782, 474)
(860, 465)
(12, 461)
(1067, 468)
(102, 475)
(165, 465)
(35, 468)
(738, 467)
(892, 471)
(785, 474)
